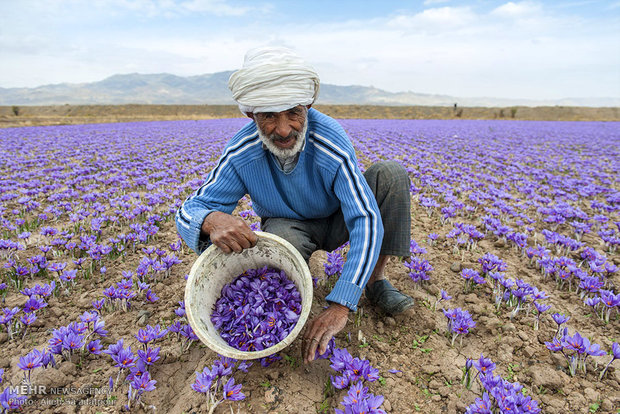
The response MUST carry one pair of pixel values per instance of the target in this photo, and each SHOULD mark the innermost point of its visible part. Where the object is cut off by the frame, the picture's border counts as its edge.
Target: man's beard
(299, 136)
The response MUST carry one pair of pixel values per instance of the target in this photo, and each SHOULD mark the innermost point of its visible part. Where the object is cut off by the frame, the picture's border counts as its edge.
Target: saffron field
(514, 268)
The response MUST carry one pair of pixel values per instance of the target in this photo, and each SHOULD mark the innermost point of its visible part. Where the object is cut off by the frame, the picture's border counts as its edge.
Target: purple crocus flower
(31, 361)
(328, 351)
(592, 302)
(595, 350)
(560, 318)
(150, 296)
(203, 381)
(98, 326)
(541, 307)
(94, 347)
(233, 392)
(187, 331)
(124, 358)
(468, 274)
(481, 405)
(143, 383)
(180, 312)
(149, 356)
(156, 332)
(144, 336)
(574, 343)
(10, 400)
(555, 345)
(114, 349)
(137, 370)
(98, 304)
(28, 319)
(340, 382)
(484, 365)
(34, 304)
(356, 393)
(72, 341)
(609, 298)
(88, 317)
(340, 359)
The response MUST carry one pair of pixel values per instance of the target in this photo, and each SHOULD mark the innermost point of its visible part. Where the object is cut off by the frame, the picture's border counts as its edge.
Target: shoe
(388, 298)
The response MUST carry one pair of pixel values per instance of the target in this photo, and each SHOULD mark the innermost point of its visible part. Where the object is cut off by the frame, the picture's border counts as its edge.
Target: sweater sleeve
(363, 221)
(221, 192)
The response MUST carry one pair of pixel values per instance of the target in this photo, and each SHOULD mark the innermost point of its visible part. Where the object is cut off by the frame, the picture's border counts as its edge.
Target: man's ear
(309, 106)
(250, 115)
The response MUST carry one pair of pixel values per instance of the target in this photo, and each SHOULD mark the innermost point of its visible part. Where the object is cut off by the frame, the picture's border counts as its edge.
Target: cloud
(435, 19)
(518, 10)
(518, 49)
(216, 7)
(614, 5)
(431, 2)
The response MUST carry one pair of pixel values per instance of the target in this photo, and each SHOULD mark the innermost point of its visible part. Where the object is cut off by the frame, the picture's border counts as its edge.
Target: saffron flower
(233, 392)
(149, 356)
(10, 400)
(540, 308)
(459, 322)
(560, 319)
(32, 360)
(143, 383)
(203, 381)
(94, 347)
(334, 264)
(257, 310)
(150, 296)
(124, 358)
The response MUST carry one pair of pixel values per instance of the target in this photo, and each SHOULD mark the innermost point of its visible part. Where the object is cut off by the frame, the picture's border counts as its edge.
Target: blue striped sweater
(325, 178)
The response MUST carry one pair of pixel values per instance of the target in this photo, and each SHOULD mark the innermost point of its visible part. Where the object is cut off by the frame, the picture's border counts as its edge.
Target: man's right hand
(231, 234)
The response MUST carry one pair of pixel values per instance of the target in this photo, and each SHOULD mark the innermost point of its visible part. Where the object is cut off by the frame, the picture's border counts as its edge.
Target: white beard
(284, 153)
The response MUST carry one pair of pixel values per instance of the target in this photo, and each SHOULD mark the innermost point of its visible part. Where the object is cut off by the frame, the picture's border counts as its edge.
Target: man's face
(283, 132)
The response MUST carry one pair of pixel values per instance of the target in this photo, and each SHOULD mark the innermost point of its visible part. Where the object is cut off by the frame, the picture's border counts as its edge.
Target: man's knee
(292, 233)
(388, 173)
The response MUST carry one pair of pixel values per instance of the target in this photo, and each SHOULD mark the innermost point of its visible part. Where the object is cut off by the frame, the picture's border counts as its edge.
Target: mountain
(164, 88)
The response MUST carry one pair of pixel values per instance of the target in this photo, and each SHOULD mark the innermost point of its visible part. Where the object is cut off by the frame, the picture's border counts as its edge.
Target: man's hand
(231, 234)
(321, 329)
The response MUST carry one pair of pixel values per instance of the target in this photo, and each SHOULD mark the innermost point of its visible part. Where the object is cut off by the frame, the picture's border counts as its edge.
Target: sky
(476, 48)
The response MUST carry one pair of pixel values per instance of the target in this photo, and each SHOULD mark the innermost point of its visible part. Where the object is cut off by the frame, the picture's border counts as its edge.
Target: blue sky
(520, 49)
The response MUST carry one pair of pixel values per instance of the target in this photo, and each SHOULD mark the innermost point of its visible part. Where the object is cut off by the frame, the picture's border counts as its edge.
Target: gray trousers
(389, 183)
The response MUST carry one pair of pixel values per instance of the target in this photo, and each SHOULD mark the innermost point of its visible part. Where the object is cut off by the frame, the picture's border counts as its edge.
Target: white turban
(273, 79)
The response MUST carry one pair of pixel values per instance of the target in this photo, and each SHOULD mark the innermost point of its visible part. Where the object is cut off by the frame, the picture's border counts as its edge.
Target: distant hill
(212, 89)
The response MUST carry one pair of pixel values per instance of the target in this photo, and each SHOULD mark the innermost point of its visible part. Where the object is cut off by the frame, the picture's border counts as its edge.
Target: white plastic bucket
(213, 269)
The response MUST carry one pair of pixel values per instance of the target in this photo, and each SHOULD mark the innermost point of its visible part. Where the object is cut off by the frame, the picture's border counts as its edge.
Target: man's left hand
(321, 329)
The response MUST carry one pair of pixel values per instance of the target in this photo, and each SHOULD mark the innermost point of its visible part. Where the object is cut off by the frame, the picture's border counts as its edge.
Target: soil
(421, 371)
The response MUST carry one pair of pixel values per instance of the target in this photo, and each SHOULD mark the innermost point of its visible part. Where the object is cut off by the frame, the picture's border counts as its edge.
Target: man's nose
(283, 126)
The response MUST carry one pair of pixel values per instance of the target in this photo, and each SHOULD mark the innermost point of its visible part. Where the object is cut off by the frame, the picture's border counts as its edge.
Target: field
(507, 217)
(14, 116)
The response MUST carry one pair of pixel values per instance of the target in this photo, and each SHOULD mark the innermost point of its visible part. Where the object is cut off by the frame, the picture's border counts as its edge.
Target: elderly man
(300, 170)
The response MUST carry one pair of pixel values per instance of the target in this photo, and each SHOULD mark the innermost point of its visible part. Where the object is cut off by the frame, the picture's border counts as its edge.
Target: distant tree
(513, 112)
(15, 110)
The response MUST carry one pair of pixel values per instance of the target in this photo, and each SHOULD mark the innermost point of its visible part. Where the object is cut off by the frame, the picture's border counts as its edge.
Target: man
(300, 170)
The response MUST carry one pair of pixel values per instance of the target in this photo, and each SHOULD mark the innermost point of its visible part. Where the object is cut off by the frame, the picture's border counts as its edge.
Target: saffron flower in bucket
(257, 310)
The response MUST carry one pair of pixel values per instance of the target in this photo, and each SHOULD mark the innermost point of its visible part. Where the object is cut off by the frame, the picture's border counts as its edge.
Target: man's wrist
(207, 226)
(339, 308)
